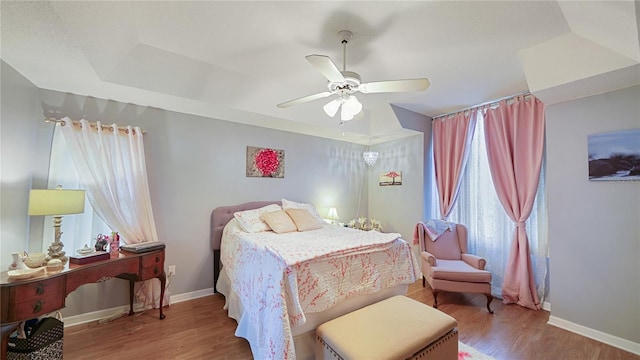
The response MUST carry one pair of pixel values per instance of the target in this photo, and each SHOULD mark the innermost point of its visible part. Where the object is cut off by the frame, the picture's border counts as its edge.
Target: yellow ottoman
(395, 328)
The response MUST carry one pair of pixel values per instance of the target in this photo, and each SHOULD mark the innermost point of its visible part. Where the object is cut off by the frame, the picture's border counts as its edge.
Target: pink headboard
(220, 216)
(223, 214)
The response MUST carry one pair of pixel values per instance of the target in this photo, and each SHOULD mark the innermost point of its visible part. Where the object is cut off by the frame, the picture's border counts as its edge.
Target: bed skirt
(304, 335)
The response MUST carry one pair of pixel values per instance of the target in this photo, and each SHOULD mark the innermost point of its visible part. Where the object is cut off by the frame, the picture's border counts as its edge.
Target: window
(79, 229)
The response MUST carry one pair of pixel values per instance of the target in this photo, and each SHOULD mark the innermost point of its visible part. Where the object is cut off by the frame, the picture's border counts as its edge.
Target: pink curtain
(451, 141)
(514, 136)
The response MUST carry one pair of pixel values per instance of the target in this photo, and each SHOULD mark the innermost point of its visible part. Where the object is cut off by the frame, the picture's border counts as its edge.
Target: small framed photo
(390, 178)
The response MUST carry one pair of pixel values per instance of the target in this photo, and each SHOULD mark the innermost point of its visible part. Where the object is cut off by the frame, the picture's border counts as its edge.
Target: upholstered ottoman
(395, 328)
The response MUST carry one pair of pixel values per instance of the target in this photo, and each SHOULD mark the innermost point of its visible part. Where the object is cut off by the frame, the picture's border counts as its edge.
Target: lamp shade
(56, 202)
(353, 105)
(333, 214)
(332, 107)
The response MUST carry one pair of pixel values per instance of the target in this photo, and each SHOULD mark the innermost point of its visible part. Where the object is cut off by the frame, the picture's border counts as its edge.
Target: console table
(27, 299)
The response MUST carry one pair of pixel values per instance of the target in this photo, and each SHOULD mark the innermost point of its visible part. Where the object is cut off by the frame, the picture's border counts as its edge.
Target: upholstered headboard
(220, 216)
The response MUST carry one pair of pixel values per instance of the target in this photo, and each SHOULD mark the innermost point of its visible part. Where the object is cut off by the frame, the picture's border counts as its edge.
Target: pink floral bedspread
(280, 277)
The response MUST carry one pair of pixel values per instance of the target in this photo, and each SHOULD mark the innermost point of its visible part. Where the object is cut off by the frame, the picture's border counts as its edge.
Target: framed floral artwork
(390, 178)
(265, 162)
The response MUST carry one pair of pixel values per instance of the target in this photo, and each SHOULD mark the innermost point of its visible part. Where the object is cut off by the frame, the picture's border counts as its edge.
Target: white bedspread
(280, 277)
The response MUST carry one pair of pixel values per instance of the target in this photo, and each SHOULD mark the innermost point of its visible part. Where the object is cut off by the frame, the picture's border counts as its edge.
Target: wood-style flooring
(200, 329)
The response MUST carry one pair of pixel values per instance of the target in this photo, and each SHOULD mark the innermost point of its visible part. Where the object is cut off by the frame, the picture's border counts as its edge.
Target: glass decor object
(370, 157)
(56, 202)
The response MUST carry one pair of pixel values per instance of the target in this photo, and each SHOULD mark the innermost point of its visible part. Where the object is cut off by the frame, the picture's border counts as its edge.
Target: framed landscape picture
(265, 162)
(614, 155)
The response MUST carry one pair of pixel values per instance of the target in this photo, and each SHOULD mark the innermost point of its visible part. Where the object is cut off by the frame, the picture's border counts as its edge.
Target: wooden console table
(30, 298)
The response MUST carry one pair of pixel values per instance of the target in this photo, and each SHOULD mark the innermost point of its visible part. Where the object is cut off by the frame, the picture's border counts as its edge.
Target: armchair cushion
(454, 270)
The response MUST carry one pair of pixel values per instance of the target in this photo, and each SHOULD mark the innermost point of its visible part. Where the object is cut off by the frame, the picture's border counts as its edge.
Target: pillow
(249, 220)
(279, 221)
(303, 219)
(288, 204)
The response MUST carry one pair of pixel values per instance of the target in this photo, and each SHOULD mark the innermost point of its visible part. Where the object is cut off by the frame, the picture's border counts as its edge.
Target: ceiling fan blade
(326, 67)
(394, 86)
(304, 99)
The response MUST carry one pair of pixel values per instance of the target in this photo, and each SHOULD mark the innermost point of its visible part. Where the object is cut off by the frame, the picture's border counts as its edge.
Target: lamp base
(55, 252)
(55, 249)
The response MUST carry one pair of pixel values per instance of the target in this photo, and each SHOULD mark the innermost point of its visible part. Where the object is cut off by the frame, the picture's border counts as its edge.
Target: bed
(279, 293)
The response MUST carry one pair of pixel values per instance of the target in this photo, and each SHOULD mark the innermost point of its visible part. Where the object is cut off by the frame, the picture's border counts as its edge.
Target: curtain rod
(492, 102)
(92, 124)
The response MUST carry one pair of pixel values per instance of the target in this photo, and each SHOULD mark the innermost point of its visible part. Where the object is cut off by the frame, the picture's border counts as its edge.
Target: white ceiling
(235, 60)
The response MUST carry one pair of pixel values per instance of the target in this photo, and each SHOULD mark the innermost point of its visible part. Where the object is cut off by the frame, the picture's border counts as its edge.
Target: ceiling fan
(345, 84)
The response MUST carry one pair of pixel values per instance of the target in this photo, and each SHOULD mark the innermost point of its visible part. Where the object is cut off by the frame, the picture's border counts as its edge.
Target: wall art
(614, 155)
(265, 162)
(390, 178)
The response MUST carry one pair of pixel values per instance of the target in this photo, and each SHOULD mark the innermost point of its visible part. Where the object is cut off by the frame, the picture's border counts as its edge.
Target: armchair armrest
(475, 261)
(430, 259)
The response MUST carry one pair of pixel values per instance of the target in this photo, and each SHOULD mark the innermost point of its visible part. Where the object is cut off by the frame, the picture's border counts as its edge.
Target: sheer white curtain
(111, 168)
(490, 229)
(78, 229)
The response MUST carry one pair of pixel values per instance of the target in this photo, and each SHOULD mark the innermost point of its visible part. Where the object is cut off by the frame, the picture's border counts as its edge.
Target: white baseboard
(546, 306)
(608, 339)
(122, 310)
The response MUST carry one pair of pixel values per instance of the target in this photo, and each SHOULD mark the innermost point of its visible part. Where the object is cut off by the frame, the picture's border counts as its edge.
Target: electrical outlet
(172, 270)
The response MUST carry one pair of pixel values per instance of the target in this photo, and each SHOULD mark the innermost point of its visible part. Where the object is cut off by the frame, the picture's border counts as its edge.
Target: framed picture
(390, 178)
(265, 162)
(614, 155)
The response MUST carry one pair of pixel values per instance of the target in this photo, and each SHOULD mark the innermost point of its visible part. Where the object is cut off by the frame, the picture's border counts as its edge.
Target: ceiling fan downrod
(345, 35)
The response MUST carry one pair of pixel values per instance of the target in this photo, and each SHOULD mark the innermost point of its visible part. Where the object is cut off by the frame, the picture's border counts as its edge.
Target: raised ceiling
(235, 60)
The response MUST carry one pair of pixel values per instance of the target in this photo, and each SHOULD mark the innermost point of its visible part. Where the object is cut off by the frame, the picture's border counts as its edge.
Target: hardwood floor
(200, 329)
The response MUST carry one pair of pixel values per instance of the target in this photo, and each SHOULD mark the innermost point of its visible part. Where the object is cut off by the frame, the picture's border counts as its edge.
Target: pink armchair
(447, 266)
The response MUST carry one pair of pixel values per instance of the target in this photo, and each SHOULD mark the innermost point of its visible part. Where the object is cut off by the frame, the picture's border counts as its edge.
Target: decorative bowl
(85, 250)
(34, 260)
(24, 273)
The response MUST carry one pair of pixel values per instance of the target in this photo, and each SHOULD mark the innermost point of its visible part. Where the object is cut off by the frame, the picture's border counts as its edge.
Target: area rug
(466, 352)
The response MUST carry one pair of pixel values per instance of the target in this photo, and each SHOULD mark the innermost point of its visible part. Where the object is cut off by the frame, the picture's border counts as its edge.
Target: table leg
(131, 285)
(163, 283)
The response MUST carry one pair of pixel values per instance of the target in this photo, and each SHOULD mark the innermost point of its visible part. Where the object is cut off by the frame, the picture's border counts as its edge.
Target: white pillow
(288, 204)
(249, 220)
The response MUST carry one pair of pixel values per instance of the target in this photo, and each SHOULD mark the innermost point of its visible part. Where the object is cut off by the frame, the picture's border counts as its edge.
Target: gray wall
(18, 151)
(399, 207)
(194, 164)
(594, 227)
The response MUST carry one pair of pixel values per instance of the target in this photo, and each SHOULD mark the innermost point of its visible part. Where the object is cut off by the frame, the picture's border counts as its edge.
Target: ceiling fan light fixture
(345, 114)
(332, 107)
(353, 105)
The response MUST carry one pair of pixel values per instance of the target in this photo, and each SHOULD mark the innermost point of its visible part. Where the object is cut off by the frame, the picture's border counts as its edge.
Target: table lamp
(333, 215)
(56, 202)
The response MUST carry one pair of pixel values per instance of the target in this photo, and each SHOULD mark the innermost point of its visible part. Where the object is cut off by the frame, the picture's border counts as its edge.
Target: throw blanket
(434, 228)
(280, 277)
